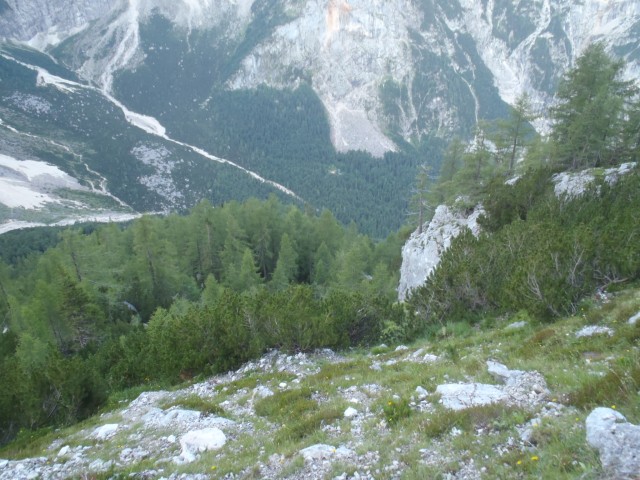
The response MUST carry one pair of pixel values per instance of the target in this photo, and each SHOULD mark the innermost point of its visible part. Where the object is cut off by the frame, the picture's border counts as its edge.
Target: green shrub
(195, 402)
(396, 410)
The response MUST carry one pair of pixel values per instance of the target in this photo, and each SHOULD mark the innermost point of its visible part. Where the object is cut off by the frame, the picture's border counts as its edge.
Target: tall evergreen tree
(514, 133)
(588, 120)
(419, 203)
(286, 267)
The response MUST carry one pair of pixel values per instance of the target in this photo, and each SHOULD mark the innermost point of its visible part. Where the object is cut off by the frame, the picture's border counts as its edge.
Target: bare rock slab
(324, 452)
(198, 441)
(592, 330)
(617, 441)
(105, 431)
(466, 395)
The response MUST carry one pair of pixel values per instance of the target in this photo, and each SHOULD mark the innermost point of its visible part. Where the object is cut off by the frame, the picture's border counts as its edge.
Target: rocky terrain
(446, 408)
(422, 252)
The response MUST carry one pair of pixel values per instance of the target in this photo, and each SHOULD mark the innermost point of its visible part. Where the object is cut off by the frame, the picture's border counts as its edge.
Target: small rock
(350, 412)
(417, 353)
(617, 441)
(460, 396)
(283, 385)
(262, 392)
(323, 452)
(592, 330)
(4, 463)
(633, 320)
(422, 393)
(516, 325)
(171, 439)
(526, 432)
(64, 450)
(429, 358)
(401, 348)
(105, 431)
(197, 441)
(100, 465)
(501, 373)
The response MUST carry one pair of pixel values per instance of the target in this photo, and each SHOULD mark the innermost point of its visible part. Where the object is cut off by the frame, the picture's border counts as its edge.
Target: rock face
(422, 252)
(573, 184)
(378, 66)
(46, 22)
(350, 47)
(617, 441)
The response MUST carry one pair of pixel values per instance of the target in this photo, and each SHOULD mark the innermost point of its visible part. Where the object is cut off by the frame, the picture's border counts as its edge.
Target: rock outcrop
(570, 185)
(422, 252)
(523, 389)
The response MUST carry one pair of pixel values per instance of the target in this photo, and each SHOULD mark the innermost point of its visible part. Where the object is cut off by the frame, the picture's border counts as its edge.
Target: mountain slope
(288, 88)
(57, 119)
(383, 413)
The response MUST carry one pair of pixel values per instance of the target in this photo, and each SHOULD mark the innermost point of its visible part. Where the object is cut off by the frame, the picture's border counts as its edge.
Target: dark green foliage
(215, 289)
(505, 203)
(18, 244)
(396, 410)
(594, 105)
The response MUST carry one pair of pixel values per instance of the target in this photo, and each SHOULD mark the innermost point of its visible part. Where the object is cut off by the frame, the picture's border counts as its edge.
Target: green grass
(195, 402)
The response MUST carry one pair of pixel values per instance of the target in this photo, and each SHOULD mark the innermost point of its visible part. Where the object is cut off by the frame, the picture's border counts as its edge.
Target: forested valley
(167, 299)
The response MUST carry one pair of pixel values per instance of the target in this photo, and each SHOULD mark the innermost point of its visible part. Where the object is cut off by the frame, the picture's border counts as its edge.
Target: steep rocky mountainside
(268, 84)
(375, 65)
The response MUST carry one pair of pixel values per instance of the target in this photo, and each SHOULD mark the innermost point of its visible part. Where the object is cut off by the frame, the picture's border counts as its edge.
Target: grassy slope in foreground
(395, 434)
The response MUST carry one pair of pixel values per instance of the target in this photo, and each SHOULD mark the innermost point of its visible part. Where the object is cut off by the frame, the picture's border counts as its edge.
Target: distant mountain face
(289, 89)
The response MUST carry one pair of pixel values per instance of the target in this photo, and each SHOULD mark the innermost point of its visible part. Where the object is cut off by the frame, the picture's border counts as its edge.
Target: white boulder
(617, 441)
(592, 330)
(323, 452)
(198, 441)
(350, 412)
(456, 396)
(105, 431)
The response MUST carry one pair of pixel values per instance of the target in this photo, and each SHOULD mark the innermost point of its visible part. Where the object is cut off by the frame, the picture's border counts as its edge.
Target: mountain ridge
(295, 90)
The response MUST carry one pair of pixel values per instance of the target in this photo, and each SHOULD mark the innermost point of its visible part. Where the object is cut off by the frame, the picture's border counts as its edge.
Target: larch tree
(590, 115)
